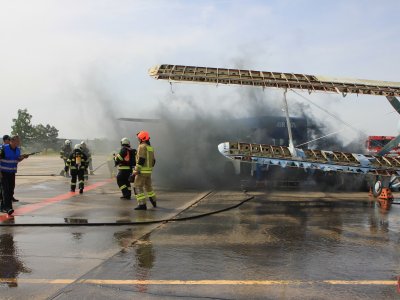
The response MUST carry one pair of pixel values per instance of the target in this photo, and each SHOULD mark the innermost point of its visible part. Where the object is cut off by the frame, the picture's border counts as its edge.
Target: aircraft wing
(328, 161)
(310, 83)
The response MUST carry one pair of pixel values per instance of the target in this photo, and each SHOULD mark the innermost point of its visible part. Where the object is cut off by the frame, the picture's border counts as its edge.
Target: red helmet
(143, 136)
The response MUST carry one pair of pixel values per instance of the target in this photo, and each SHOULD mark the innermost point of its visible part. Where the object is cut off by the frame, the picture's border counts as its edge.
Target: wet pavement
(276, 245)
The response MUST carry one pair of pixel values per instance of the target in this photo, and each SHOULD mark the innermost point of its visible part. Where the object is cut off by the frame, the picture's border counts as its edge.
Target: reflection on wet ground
(304, 243)
(280, 245)
(10, 263)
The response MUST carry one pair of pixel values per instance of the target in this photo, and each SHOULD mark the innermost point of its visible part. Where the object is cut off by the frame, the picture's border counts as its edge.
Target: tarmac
(212, 243)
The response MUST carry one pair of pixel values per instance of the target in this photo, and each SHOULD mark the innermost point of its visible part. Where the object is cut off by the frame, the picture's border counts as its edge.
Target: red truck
(375, 143)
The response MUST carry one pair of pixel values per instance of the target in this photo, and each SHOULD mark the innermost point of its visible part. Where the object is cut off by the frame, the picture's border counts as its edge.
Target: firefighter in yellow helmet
(145, 162)
(125, 160)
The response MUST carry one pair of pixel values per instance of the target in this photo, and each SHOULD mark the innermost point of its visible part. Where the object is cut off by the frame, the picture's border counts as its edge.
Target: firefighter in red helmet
(145, 161)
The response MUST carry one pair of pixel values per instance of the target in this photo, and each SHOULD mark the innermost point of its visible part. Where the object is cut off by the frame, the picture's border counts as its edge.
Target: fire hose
(172, 219)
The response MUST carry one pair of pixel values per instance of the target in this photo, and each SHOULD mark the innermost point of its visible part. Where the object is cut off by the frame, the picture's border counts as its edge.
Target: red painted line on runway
(32, 207)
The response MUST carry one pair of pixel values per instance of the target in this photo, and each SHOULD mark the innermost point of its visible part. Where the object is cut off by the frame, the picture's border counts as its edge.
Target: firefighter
(145, 161)
(88, 154)
(125, 160)
(65, 152)
(77, 164)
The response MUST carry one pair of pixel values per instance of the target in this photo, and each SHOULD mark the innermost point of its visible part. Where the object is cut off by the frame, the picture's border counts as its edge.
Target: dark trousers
(123, 182)
(8, 185)
(77, 173)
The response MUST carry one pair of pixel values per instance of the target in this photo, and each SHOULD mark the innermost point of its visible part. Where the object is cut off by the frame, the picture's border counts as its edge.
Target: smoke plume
(189, 130)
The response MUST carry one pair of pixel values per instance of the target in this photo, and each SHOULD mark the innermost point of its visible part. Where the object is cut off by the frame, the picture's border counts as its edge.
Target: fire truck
(375, 143)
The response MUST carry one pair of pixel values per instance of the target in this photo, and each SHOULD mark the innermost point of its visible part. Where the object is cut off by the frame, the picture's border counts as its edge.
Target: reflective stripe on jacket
(147, 152)
(125, 159)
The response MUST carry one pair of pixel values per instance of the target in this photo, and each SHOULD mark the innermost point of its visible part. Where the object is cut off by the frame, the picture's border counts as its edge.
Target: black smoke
(189, 130)
(186, 140)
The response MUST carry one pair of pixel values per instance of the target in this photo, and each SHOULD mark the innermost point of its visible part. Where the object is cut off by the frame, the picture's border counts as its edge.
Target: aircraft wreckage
(384, 168)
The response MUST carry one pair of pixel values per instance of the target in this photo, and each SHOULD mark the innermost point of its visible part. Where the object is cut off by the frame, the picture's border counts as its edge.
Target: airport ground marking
(197, 282)
(35, 206)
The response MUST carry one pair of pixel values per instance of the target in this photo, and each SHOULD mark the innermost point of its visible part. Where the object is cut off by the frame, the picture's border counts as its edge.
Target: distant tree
(46, 137)
(38, 137)
(23, 127)
(40, 132)
(52, 136)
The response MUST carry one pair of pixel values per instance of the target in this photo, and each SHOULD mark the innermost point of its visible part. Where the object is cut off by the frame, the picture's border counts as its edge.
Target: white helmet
(67, 142)
(78, 147)
(83, 144)
(125, 141)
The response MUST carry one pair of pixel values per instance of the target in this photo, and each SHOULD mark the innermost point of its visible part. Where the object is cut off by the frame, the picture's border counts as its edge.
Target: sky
(79, 65)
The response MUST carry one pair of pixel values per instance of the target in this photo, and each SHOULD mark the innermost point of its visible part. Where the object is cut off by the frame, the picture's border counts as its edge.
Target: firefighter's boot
(153, 201)
(81, 186)
(141, 207)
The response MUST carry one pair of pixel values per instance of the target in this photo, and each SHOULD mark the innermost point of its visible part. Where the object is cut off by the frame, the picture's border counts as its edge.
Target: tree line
(37, 137)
